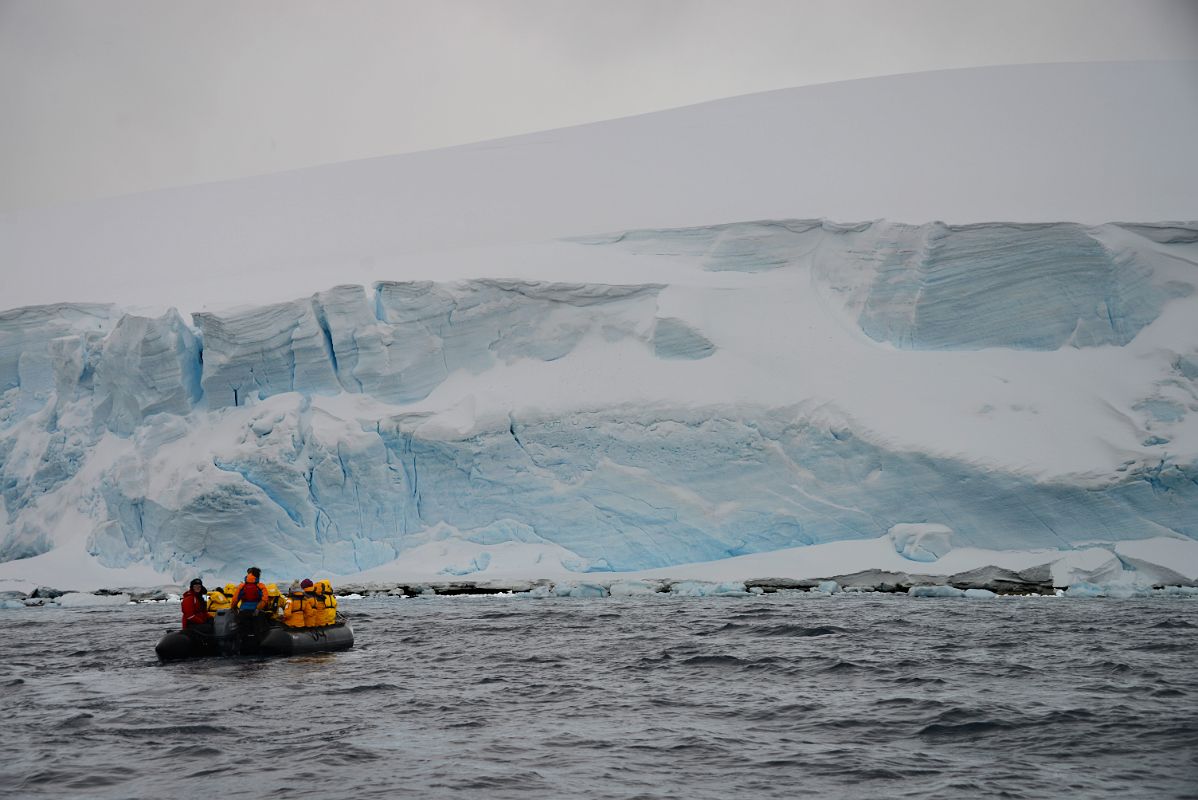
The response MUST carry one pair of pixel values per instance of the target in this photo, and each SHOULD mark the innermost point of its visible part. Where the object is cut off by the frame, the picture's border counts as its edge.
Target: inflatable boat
(269, 638)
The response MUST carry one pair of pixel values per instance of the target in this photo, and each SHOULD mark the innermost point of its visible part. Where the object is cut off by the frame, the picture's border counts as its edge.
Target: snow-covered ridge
(1084, 142)
(764, 386)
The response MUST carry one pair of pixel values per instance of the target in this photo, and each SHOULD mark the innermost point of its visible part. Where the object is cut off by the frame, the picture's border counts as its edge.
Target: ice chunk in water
(630, 588)
(707, 589)
(579, 590)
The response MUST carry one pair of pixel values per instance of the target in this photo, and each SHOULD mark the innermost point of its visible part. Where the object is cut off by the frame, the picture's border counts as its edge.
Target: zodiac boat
(269, 638)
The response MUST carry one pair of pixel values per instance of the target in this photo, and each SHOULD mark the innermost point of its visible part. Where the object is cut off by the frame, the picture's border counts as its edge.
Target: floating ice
(580, 589)
(1180, 591)
(709, 589)
(631, 588)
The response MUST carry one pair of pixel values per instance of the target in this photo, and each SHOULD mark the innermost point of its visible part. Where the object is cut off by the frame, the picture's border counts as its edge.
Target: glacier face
(336, 432)
(405, 340)
(941, 287)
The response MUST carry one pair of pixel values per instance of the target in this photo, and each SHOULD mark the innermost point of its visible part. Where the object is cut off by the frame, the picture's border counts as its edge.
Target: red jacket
(195, 610)
(249, 592)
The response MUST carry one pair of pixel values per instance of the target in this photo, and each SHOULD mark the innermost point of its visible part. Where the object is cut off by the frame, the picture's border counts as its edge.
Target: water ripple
(621, 698)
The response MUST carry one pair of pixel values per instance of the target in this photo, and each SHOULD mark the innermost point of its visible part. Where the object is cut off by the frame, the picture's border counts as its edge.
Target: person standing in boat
(248, 601)
(249, 597)
(196, 618)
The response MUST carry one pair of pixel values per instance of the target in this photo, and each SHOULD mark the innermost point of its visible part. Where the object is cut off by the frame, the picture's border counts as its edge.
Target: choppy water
(782, 695)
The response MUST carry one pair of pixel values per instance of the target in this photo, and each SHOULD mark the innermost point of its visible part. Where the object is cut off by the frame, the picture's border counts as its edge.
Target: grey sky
(126, 95)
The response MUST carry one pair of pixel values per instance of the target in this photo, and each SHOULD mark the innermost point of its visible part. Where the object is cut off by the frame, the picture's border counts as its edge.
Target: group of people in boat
(308, 604)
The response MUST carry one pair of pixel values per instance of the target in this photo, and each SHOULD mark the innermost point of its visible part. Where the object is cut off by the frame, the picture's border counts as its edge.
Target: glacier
(764, 385)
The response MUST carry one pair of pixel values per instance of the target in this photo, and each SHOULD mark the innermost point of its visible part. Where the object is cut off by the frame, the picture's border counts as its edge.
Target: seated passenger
(196, 618)
(293, 612)
(220, 600)
(312, 615)
(320, 604)
(330, 602)
(274, 601)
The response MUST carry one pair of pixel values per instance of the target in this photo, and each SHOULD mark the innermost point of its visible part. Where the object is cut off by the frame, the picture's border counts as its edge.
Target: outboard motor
(224, 626)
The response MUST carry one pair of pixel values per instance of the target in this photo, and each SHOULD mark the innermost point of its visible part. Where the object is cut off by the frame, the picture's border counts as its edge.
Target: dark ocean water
(775, 696)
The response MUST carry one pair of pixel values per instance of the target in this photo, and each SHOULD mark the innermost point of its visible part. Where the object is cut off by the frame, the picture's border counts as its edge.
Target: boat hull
(297, 641)
(265, 639)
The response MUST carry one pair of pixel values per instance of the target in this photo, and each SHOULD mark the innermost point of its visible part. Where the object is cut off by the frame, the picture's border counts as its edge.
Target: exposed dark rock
(1004, 581)
(878, 580)
(1041, 574)
(774, 584)
(140, 595)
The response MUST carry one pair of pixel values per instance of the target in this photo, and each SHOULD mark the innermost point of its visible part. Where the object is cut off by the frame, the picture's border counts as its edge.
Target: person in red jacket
(250, 597)
(195, 609)
(248, 602)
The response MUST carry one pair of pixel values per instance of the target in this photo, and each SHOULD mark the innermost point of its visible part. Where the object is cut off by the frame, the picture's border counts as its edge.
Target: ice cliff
(767, 385)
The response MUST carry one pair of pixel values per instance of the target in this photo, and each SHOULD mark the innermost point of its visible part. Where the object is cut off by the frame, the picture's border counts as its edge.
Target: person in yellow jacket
(313, 615)
(293, 612)
(220, 600)
(324, 590)
(274, 601)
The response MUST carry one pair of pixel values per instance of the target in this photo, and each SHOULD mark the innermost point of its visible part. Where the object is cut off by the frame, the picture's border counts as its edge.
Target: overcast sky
(105, 98)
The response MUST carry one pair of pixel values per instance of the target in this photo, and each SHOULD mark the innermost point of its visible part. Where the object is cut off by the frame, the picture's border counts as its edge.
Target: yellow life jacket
(219, 601)
(330, 603)
(274, 601)
(313, 616)
(320, 607)
(293, 612)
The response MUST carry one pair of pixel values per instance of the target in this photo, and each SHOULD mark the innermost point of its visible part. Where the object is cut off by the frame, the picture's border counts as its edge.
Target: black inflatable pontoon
(281, 641)
(268, 638)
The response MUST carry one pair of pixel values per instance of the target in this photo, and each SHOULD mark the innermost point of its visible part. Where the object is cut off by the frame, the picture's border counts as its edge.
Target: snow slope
(1089, 143)
(621, 394)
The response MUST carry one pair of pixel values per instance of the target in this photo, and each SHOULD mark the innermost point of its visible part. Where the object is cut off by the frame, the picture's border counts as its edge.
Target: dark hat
(194, 581)
(306, 582)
